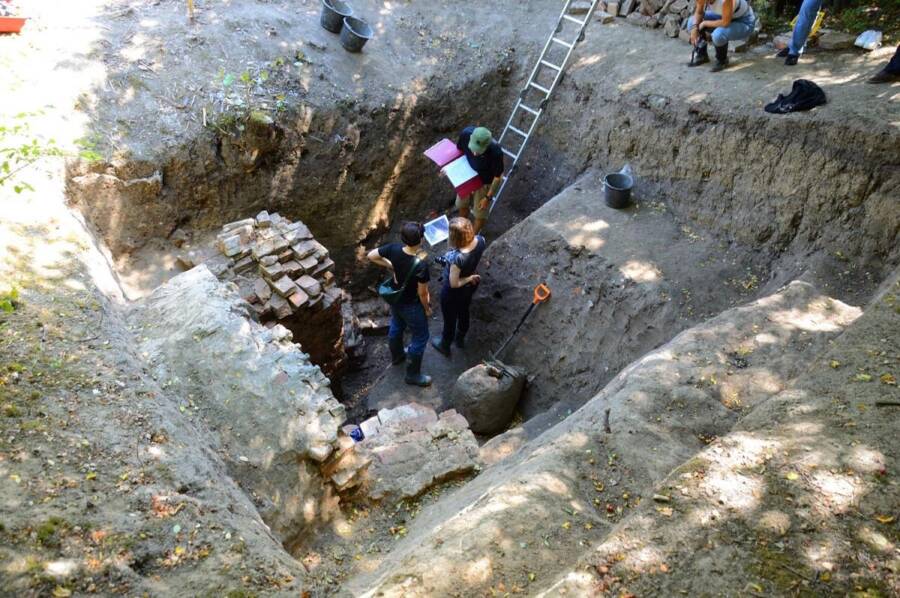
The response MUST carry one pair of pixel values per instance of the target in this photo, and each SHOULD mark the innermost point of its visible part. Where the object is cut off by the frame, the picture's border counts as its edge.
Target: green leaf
(245, 77)
(264, 76)
(228, 80)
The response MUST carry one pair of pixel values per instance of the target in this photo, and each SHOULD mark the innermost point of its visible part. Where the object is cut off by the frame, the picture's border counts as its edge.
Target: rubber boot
(700, 54)
(398, 355)
(440, 346)
(721, 58)
(460, 340)
(414, 373)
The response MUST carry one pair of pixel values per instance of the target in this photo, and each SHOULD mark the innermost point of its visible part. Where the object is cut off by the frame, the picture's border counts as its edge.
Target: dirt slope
(521, 520)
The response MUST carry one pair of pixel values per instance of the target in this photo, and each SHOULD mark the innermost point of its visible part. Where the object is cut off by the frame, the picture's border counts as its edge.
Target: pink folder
(443, 152)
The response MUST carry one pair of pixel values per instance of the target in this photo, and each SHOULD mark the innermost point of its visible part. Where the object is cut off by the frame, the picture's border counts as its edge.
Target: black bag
(805, 95)
(391, 294)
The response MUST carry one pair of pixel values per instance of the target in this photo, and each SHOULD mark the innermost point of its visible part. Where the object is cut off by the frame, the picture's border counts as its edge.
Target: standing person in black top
(485, 156)
(414, 307)
(460, 282)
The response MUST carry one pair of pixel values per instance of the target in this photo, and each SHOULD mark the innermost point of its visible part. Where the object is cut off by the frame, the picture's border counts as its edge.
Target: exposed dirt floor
(712, 403)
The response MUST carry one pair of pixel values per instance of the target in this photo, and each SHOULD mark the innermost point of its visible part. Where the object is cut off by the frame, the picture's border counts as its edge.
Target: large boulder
(486, 395)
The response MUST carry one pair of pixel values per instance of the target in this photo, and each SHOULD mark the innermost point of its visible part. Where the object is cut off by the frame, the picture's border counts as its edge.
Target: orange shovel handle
(541, 293)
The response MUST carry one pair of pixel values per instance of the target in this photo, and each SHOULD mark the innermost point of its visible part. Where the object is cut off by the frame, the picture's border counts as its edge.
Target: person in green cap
(485, 157)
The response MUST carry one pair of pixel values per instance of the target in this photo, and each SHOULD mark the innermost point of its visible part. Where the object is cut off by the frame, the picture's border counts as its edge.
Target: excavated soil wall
(349, 171)
(791, 185)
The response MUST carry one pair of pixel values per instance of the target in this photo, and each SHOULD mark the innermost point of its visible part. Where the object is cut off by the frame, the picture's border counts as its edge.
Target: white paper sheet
(459, 171)
(437, 230)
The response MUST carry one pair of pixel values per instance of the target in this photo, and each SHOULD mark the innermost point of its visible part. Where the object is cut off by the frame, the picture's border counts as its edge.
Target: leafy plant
(9, 300)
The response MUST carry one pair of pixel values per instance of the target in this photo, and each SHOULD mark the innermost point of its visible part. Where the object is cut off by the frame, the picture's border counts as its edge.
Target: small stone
(285, 256)
(304, 249)
(579, 7)
(309, 263)
(678, 6)
(178, 237)
(835, 40)
(328, 279)
(310, 285)
(673, 24)
(637, 18)
(280, 307)
(263, 220)
(321, 250)
(298, 299)
(292, 268)
(604, 17)
(268, 260)
(297, 232)
(284, 286)
(262, 290)
(272, 272)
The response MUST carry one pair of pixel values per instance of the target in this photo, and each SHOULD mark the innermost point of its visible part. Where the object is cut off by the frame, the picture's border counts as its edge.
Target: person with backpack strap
(722, 21)
(406, 291)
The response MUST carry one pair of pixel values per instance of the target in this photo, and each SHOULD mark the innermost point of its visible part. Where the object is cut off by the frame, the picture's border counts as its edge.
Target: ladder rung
(574, 20)
(551, 65)
(531, 110)
(520, 132)
(563, 43)
(539, 88)
(510, 154)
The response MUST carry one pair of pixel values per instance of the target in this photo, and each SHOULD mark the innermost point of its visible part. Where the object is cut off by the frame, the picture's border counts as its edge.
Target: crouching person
(722, 21)
(407, 294)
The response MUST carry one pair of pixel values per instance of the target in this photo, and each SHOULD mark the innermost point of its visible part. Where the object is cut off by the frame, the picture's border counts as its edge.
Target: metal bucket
(333, 14)
(355, 34)
(617, 190)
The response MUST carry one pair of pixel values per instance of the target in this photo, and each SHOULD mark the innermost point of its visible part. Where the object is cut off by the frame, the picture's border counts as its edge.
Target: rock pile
(287, 278)
(405, 450)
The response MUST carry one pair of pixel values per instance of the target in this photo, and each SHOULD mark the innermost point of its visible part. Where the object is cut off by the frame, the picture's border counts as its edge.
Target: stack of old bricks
(278, 266)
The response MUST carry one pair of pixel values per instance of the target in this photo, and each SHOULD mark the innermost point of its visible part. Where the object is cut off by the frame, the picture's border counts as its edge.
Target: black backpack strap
(409, 274)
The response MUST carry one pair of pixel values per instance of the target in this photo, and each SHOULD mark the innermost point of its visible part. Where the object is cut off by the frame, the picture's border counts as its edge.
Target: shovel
(541, 294)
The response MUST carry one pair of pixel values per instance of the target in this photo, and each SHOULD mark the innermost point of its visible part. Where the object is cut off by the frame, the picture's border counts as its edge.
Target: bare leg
(479, 224)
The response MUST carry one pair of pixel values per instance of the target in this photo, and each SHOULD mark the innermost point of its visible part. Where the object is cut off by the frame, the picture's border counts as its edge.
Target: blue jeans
(410, 315)
(805, 19)
(738, 29)
(455, 310)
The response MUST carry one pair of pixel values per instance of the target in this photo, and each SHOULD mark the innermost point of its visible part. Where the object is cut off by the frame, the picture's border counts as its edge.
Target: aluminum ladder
(527, 115)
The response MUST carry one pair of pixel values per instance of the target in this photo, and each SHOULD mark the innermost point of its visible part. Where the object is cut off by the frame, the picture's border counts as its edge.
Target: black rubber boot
(414, 373)
(721, 58)
(460, 340)
(398, 355)
(440, 346)
(700, 54)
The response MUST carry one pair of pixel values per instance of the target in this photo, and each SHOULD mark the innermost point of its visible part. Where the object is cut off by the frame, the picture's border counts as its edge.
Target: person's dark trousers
(412, 316)
(455, 311)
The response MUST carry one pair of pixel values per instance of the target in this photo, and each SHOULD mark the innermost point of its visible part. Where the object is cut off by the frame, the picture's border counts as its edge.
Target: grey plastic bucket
(333, 14)
(355, 34)
(617, 190)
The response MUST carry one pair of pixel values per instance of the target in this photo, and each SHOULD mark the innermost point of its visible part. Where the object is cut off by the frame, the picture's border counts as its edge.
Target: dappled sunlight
(865, 460)
(834, 492)
(639, 271)
(632, 84)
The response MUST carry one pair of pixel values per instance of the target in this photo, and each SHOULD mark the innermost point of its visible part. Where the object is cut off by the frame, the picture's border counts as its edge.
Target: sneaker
(791, 59)
(783, 53)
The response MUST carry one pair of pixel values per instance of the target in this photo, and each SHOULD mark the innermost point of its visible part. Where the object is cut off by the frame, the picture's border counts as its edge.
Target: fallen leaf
(835, 364)
(888, 379)
(665, 511)
(664, 568)
(179, 550)
(862, 378)
(61, 592)
(566, 525)
(792, 475)
(531, 576)
(884, 519)
(91, 475)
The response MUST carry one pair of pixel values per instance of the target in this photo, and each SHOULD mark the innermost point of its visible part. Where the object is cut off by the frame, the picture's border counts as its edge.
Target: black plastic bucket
(333, 14)
(617, 190)
(355, 34)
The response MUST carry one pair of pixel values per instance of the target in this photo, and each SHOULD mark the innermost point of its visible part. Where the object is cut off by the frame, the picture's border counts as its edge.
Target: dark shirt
(466, 262)
(393, 252)
(488, 165)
